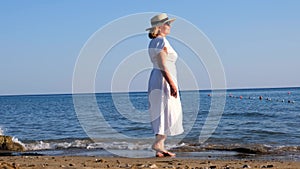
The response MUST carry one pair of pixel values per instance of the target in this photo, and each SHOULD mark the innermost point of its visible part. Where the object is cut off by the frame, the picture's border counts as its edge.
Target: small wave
(288, 149)
(57, 144)
(16, 140)
(108, 144)
(119, 146)
(85, 144)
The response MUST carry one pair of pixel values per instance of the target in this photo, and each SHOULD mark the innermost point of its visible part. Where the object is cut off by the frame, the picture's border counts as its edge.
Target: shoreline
(89, 162)
(101, 158)
(200, 154)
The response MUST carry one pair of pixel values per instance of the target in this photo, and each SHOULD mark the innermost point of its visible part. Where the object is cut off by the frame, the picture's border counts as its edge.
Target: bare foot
(168, 154)
(157, 148)
(159, 154)
(165, 154)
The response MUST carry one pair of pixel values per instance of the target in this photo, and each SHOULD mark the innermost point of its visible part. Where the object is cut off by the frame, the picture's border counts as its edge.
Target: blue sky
(257, 41)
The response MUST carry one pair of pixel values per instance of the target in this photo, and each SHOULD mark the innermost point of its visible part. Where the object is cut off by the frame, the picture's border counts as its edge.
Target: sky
(257, 41)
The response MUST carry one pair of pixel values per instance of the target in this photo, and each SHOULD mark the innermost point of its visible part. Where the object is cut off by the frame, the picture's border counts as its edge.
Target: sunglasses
(168, 23)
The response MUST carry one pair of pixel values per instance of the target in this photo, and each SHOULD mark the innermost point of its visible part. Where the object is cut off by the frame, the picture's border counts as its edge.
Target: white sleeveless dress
(165, 110)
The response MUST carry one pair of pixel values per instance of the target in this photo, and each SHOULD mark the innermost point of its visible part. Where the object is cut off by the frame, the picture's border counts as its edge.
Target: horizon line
(139, 91)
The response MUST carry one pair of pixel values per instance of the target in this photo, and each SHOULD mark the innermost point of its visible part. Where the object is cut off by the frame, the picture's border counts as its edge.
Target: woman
(164, 100)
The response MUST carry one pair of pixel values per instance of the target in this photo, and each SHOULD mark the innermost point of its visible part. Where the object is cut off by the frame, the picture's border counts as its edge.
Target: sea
(259, 123)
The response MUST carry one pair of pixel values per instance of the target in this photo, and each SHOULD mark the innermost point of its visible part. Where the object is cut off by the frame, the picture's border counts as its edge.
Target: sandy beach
(52, 162)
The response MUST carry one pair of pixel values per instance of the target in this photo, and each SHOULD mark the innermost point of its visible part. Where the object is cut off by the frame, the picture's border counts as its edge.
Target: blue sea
(252, 123)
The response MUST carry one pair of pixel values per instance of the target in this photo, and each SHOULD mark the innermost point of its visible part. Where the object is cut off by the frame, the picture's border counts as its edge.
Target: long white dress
(165, 110)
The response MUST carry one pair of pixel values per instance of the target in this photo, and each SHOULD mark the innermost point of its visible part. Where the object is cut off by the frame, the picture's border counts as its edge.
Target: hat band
(161, 21)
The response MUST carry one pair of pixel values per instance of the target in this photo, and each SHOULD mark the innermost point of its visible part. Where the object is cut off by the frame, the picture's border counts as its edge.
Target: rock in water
(7, 144)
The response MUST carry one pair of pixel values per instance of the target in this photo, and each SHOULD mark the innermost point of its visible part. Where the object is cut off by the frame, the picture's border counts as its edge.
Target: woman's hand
(173, 91)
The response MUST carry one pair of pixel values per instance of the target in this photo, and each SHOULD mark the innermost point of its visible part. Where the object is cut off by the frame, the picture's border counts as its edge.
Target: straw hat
(159, 20)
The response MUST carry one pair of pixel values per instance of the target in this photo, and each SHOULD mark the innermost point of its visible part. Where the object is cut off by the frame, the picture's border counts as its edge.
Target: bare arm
(162, 57)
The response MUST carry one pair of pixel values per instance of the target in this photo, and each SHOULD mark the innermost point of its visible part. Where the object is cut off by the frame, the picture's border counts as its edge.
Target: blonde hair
(154, 32)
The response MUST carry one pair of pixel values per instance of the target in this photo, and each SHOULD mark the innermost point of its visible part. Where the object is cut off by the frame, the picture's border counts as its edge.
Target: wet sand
(88, 162)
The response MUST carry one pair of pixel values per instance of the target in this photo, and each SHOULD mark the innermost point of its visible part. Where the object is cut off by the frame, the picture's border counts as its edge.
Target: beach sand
(88, 162)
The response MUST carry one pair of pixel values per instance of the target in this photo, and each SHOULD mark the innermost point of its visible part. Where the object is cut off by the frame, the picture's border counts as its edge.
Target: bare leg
(159, 147)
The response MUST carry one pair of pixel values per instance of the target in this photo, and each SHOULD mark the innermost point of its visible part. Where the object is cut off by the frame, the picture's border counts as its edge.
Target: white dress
(165, 110)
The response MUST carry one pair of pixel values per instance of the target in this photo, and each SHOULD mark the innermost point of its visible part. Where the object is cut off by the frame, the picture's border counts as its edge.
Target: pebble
(31, 165)
(45, 165)
(99, 160)
(140, 165)
(246, 166)
(227, 167)
(268, 166)
(153, 166)
(212, 167)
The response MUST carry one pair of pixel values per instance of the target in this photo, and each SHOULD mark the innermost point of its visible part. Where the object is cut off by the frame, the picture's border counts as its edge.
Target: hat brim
(160, 24)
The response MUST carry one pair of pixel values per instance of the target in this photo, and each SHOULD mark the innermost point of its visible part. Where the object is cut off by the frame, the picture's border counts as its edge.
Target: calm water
(119, 123)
